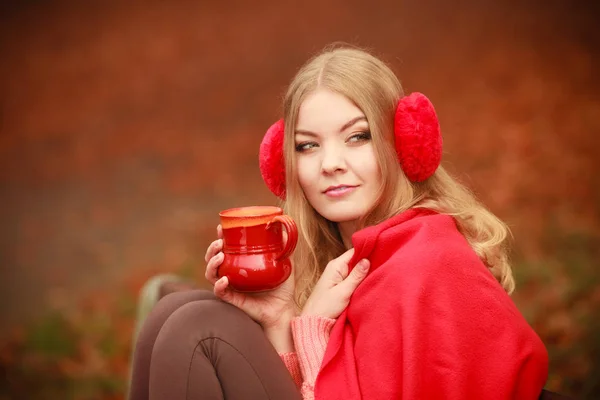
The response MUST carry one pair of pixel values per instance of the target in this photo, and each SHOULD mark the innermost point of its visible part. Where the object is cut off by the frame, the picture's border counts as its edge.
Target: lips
(339, 189)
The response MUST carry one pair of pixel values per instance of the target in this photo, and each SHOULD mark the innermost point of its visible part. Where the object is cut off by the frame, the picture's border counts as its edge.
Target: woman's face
(337, 168)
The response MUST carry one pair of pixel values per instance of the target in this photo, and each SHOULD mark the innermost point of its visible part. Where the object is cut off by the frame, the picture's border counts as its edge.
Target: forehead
(325, 110)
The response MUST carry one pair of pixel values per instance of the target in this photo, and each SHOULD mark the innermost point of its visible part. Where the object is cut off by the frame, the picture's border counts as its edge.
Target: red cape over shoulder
(429, 322)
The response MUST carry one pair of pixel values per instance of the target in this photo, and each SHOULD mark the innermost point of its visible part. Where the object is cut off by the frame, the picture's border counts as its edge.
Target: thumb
(224, 292)
(356, 276)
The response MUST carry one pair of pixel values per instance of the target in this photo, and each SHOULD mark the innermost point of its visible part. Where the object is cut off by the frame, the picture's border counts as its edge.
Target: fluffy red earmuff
(270, 159)
(418, 143)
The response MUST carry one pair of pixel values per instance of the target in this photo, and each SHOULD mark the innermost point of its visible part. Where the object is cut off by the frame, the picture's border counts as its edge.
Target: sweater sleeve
(311, 335)
(291, 363)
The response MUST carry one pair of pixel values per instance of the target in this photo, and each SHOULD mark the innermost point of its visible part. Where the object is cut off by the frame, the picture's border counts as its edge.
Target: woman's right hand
(271, 309)
(336, 285)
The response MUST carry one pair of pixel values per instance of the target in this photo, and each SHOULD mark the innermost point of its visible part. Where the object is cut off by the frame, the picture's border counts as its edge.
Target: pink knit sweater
(311, 335)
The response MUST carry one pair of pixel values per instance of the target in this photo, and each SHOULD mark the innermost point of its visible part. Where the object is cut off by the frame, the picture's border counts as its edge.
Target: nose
(333, 160)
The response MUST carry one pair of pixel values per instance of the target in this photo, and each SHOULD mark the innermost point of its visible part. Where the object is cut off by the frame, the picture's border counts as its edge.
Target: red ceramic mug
(256, 256)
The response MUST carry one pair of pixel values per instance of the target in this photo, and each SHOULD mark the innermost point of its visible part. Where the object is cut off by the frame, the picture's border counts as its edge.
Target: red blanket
(429, 322)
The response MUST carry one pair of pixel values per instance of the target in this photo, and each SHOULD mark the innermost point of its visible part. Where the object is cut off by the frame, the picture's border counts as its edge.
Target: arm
(310, 335)
(328, 299)
(280, 336)
(310, 332)
(292, 364)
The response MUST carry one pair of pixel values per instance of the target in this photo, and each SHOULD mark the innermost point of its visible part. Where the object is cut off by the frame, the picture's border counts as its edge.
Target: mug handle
(292, 231)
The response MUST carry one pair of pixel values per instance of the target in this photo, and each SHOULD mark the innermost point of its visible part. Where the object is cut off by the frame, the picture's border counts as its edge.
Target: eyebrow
(347, 125)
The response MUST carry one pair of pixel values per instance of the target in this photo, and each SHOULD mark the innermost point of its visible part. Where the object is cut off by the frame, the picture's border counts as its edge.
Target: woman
(401, 278)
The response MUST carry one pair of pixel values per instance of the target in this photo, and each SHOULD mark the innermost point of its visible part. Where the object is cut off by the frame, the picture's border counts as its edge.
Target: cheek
(368, 167)
(306, 177)
(372, 175)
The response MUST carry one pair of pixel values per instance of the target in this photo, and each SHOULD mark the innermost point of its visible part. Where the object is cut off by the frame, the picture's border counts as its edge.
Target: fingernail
(364, 265)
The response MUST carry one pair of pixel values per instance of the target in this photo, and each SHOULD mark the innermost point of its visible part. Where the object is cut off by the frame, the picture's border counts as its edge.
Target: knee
(173, 301)
(165, 307)
(213, 318)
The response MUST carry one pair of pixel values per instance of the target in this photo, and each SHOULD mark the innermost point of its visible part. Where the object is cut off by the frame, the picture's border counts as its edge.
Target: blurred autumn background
(126, 126)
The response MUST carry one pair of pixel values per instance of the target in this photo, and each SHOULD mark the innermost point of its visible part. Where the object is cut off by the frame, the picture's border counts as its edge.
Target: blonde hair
(373, 87)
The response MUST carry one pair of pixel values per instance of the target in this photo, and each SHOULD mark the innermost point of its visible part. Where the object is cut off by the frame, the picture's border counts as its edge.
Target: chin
(341, 214)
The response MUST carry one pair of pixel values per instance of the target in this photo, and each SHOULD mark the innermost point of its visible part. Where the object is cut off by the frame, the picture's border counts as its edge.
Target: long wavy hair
(373, 87)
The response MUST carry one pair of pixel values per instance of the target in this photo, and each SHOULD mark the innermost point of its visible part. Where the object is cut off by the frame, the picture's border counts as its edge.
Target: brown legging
(194, 346)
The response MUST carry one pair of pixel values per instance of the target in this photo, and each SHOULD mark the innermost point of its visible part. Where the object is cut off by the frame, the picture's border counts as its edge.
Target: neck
(347, 229)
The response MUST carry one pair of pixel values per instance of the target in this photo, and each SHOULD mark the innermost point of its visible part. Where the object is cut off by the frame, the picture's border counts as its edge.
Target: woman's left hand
(332, 292)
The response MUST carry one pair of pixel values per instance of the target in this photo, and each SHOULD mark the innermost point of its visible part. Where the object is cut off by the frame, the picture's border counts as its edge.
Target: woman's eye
(360, 137)
(300, 147)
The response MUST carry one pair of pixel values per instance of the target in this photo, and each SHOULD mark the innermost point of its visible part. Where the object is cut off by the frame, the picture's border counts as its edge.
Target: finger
(213, 249)
(224, 292)
(212, 268)
(356, 276)
(339, 266)
(219, 231)
(220, 288)
(347, 256)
